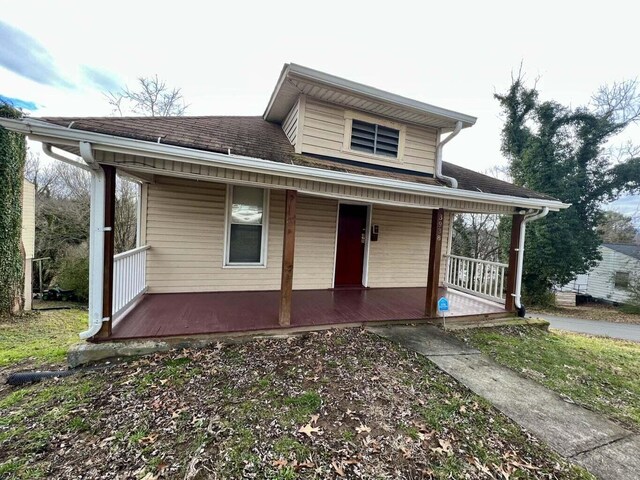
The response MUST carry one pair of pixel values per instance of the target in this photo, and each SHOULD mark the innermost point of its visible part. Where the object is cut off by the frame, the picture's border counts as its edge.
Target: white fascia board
(45, 132)
(360, 89)
(274, 94)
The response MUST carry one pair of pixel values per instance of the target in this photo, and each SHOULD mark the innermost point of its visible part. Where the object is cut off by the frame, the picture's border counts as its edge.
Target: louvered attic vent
(376, 139)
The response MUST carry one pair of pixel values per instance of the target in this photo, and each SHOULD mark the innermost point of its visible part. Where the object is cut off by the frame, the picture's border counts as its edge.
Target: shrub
(633, 302)
(73, 271)
(538, 298)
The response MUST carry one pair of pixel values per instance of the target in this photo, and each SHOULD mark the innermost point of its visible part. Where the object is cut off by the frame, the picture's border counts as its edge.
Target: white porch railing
(481, 278)
(129, 278)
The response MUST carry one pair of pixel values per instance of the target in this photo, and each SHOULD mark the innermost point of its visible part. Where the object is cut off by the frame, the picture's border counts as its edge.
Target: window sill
(244, 265)
(370, 156)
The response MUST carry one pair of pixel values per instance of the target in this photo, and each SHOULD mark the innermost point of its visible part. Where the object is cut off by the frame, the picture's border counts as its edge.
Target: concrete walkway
(624, 331)
(586, 438)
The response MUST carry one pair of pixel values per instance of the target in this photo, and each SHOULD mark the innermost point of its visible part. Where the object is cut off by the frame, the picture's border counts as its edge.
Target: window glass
(622, 280)
(245, 243)
(246, 225)
(247, 205)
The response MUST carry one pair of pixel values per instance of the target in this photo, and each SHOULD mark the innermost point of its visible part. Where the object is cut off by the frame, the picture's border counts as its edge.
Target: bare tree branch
(619, 101)
(152, 98)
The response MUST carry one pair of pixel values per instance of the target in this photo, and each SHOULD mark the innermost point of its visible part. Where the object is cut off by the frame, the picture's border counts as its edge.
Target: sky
(59, 56)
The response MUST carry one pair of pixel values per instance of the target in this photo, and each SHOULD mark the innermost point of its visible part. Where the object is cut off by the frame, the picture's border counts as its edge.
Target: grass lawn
(40, 337)
(596, 311)
(598, 373)
(335, 404)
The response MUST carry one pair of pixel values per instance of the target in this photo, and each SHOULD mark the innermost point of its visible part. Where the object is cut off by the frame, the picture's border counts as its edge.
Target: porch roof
(257, 138)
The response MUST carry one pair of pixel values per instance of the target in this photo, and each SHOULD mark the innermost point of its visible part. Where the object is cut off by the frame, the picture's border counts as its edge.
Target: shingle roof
(624, 248)
(255, 137)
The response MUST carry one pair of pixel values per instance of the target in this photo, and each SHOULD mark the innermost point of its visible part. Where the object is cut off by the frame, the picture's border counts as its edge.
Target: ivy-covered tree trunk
(12, 160)
(561, 151)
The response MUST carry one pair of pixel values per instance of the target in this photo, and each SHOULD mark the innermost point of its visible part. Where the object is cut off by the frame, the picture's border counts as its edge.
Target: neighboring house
(28, 238)
(334, 207)
(611, 278)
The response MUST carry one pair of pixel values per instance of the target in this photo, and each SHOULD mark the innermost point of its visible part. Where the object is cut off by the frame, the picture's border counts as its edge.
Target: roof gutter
(518, 293)
(46, 148)
(441, 143)
(46, 132)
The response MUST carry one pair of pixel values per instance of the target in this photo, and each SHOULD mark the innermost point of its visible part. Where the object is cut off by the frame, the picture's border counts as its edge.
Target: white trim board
(266, 218)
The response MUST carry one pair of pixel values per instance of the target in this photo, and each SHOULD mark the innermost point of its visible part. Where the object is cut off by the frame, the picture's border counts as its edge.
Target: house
(612, 277)
(333, 207)
(28, 239)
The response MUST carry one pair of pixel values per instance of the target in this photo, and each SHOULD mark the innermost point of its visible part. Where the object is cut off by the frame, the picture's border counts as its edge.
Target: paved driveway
(624, 331)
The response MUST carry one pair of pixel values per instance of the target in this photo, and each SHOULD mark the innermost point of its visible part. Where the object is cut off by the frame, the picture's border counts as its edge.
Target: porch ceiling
(178, 314)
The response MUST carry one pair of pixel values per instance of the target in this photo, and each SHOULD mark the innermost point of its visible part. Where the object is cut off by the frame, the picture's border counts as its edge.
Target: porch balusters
(478, 277)
(129, 278)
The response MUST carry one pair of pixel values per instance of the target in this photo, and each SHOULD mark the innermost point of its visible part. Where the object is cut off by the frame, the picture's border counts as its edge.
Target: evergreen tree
(561, 151)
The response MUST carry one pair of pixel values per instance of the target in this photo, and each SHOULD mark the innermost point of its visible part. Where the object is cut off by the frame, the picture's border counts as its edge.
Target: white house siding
(185, 229)
(315, 243)
(324, 131)
(400, 256)
(601, 283)
(28, 237)
(290, 124)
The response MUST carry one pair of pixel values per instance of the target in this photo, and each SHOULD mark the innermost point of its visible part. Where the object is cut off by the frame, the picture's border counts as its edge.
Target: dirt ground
(336, 404)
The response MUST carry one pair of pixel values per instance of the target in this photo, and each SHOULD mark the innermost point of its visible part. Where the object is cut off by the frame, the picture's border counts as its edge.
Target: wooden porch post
(109, 221)
(509, 304)
(435, 257)
(286, 286)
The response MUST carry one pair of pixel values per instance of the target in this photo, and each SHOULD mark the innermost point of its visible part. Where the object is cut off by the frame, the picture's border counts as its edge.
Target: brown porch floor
(178, 314)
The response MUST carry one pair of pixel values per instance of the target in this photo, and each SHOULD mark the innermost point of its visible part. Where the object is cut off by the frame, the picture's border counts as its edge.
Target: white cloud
(226, 56)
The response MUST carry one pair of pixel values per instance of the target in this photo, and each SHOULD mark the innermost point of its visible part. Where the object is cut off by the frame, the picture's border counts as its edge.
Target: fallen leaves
(445, 447)
(228, 412)
(308, 430)
(282, 463)
(363, 429)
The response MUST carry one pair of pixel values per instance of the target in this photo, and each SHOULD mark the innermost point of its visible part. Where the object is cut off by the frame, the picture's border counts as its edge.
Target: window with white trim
(375, 139)
(246, 226)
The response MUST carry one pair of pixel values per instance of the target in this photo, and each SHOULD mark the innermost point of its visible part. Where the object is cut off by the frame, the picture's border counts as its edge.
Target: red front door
(352, 224)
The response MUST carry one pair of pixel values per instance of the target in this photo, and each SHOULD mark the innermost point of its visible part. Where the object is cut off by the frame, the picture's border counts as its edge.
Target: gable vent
(376, 139)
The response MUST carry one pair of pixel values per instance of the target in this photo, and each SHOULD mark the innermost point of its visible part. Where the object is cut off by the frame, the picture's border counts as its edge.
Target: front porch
(314, 262)
(181, 314)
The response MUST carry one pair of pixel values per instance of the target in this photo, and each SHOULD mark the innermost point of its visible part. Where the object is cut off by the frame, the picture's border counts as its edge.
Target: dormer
(329, 116)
